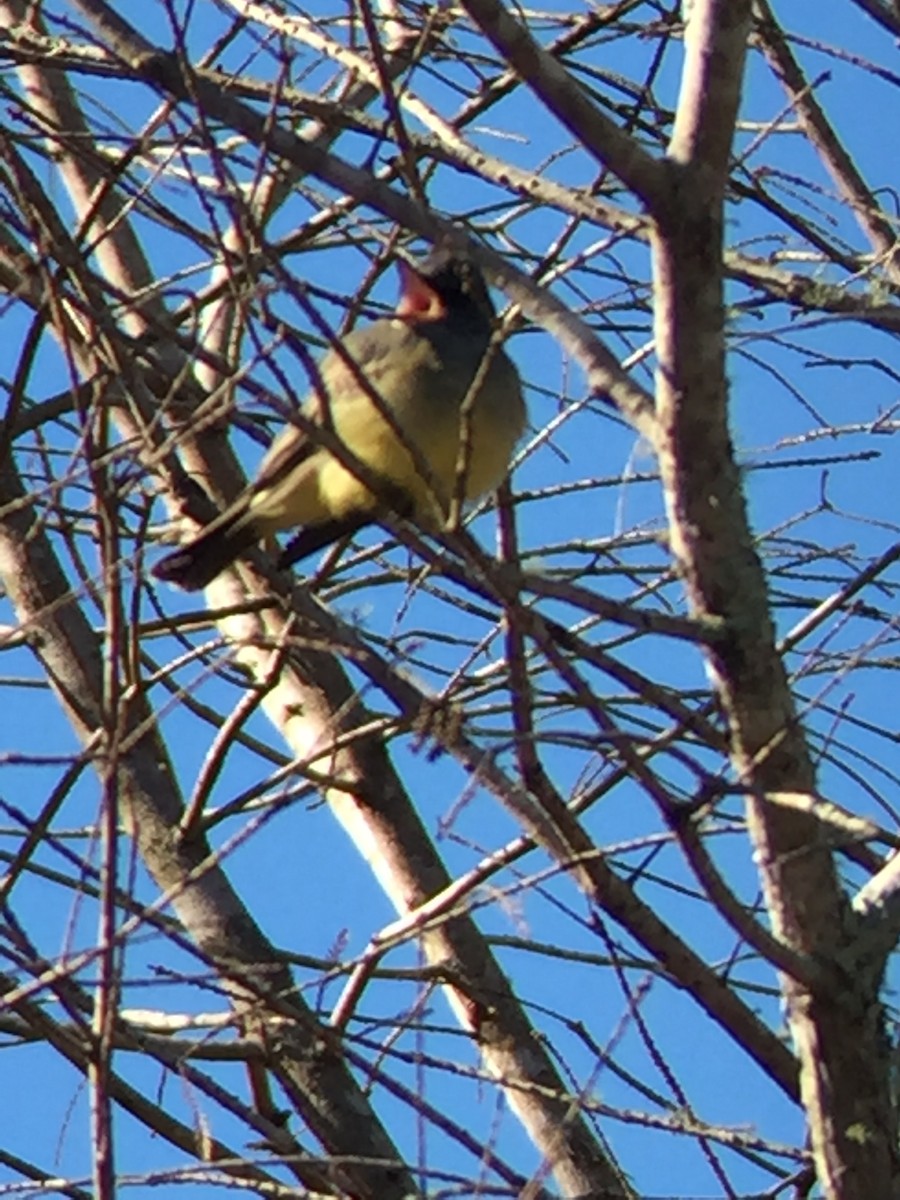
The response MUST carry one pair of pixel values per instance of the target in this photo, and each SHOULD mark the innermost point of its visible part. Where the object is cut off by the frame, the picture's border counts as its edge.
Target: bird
(425, 400)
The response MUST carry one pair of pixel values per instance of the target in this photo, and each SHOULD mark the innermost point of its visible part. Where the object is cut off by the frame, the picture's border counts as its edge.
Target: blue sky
(304, 883)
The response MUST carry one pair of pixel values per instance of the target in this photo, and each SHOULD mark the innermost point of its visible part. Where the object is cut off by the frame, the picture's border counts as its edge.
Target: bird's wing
(290, 449)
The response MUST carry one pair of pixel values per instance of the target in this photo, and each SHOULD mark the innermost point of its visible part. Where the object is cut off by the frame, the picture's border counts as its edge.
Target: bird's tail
(199, 561)
(317, 537)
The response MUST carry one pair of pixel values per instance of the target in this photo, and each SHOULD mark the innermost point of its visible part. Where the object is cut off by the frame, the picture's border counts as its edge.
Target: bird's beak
(419, 298)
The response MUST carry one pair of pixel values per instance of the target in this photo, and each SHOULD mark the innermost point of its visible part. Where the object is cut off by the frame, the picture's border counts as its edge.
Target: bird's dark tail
(198, 562)
(317, 537)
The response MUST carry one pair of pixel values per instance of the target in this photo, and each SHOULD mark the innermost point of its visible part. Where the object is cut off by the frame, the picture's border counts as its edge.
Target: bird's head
(445, 286)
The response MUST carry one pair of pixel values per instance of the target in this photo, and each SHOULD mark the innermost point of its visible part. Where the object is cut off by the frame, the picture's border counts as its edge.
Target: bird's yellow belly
(422, 466)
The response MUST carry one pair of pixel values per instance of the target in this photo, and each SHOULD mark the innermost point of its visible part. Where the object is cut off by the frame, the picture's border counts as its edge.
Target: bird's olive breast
(420, 376)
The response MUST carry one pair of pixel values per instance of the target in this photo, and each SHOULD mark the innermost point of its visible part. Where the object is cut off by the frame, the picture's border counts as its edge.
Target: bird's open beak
(418, 297)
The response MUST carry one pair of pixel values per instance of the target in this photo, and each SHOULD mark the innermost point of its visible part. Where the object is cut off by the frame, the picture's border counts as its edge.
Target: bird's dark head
(445, 286)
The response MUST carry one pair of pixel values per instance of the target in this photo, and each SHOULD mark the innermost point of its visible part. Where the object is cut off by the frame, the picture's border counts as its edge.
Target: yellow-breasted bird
(411, 397)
